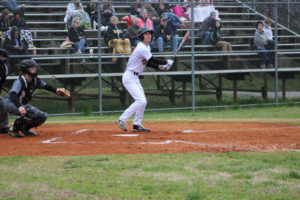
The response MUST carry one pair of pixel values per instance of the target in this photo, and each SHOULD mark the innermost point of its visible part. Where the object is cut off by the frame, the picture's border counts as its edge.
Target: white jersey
(135, 62)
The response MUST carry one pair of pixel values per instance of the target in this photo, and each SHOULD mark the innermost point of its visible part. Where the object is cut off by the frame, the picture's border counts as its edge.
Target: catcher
(19, 96)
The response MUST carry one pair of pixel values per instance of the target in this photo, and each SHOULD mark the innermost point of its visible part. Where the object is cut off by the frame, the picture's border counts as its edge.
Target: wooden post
(184, 93)
(234, 91)
(283, 89)
(201, 85)
(265, 87)
(219, 89)
(172, 92)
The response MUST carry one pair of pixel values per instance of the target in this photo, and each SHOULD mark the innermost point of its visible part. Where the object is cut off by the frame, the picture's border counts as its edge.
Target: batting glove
(164, 67)
(170, 62)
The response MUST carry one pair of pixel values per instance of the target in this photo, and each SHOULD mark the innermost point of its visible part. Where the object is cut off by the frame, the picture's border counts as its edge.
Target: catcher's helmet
(142, 31)
(25, 64)
(4, 53)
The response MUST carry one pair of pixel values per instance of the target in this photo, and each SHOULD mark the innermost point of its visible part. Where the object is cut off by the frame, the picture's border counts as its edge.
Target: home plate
(127, 135)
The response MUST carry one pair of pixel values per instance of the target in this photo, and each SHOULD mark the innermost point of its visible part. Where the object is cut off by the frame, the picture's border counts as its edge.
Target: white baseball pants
(132, 84)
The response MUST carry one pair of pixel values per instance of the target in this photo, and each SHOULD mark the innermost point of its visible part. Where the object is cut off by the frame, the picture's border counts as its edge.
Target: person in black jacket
(164, 36)
(116, 37)
(216, 38)
(76, 34)
(206, 28)
(18, 21)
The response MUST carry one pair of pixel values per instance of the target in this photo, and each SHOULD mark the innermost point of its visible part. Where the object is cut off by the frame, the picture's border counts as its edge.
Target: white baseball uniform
(132, 83)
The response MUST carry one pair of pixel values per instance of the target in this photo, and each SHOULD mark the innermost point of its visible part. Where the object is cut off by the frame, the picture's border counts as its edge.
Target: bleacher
(46, 23)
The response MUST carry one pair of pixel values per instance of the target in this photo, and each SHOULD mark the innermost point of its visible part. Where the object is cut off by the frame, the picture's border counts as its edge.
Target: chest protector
(28, 89)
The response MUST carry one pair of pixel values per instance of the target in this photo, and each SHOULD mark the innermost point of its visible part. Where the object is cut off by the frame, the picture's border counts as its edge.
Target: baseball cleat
(140, 128)
(122, 125)
(15, 133)
(29, 132)
(4, 130)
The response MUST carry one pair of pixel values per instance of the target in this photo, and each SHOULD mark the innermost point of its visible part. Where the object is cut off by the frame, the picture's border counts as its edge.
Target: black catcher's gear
(25, 64)
(143, 30)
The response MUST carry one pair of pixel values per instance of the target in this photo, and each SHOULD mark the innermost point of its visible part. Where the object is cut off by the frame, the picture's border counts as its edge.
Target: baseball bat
(185, 38)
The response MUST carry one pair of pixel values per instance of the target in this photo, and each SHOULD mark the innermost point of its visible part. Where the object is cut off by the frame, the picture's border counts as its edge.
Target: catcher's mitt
(63, 92)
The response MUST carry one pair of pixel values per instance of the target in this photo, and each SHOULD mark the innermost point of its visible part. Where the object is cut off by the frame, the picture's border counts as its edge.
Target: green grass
(272, 114)
(153, 176)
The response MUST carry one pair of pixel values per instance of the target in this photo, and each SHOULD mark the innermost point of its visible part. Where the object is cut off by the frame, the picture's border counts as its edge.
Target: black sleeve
(14, 98)
(50, 88)
(73, 35)
(155, 62)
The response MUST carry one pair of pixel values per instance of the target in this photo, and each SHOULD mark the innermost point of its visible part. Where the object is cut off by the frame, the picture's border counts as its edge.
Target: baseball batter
(140, 58)
(19, 96)
(3, 74)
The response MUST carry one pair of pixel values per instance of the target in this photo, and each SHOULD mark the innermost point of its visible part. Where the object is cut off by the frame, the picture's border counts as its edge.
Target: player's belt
(136, 73)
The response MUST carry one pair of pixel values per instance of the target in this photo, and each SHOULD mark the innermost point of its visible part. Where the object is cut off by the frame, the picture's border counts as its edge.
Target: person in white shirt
(139, 59)
(268, 29)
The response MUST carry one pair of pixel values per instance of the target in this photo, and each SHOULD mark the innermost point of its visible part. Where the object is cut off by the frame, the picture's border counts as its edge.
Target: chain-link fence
(215, 67)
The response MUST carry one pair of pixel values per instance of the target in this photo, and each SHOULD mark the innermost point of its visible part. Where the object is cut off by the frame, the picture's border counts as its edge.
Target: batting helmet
(25, 64)
(142, 31)
(4, 53)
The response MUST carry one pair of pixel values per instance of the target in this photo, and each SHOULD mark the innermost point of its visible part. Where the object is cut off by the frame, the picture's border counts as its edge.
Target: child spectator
(20, 23)
(216, 38)
(206, 27)
(261, 41)
(164, 36)
(145, 21)
(136, 8)
(268, 31)
(132, 31)
(115, 37)
(76, 34)
(152, 14)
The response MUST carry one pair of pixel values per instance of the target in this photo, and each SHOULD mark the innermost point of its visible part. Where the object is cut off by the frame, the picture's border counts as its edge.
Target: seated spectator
(70, 9)
(4, 21)
(15, 44)
(173, 21)
(162, 9)
(136, 8)
(203, 10)
(76, 34)
(263, 44)
(107, 11)
(164, 36)
(152, 14)
(132, 31)
(92, 10)
(20, 23)
(145, 21)
(83, 16)
(206, 27)
(268, 31)
(216, 38)
(115, 37)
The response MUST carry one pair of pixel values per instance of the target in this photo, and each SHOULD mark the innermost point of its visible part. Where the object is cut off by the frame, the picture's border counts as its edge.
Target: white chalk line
(80, 131)
(51, 140)
(126, 135)
(237, 129)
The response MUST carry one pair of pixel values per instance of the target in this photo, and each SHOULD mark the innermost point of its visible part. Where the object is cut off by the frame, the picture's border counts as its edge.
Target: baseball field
(236, 153)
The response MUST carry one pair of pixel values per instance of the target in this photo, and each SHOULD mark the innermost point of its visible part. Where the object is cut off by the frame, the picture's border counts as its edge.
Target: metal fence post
(276, 50)
(99, 58)
(193, 58)
(289, 10)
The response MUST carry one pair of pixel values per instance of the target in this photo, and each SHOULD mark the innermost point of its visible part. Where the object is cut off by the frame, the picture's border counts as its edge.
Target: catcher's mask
(24, 66)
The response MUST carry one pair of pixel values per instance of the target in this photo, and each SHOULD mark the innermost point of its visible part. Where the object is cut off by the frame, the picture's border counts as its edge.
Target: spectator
(135, 9)
(20, 23)
(164, 36)
(92, 10)
(261, 41)
(206, 27)
(84, 18)
(4, 21)
(162, 9)
(71, 8)
(15, 44)
(145, 21)
(268, 31)
(216, 38)
(76, 34)
(115, 38)
(107, 11)
(203, 10)
(132, 31)
(152, 14)
(173, 21)
(11, 5)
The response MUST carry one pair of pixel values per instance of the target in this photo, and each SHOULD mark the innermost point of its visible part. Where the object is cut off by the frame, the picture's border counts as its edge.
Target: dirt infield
(92, 139)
